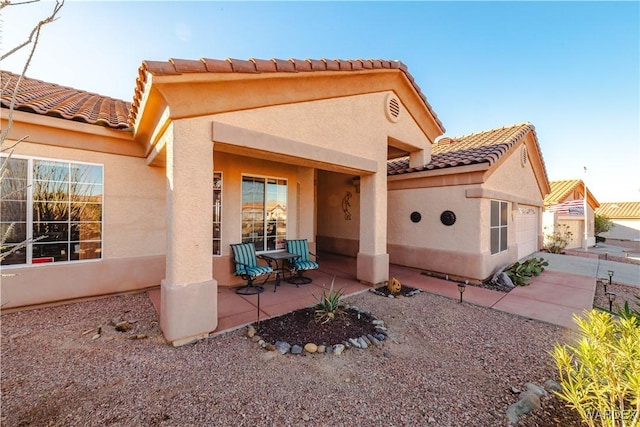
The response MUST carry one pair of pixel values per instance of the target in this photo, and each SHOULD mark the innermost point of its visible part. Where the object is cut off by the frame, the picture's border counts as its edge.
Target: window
(264, 212)
(217, 211)
(58, 204)
(499, 212)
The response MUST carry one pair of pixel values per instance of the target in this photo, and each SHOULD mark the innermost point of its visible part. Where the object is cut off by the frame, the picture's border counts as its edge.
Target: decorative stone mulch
(373, 339)
(405, 291)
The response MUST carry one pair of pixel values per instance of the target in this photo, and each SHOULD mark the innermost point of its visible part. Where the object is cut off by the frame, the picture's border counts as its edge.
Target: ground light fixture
(603, 283)
(610, 273)
(462, 287)
(612, 297)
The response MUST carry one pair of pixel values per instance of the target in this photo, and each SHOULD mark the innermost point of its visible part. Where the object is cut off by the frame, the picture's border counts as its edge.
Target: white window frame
(29, 214)
(503, 229)
(214, 207)
(266, 178)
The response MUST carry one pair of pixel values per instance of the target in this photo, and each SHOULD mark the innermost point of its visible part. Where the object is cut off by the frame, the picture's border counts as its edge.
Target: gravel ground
(448, 363)
(624, 293)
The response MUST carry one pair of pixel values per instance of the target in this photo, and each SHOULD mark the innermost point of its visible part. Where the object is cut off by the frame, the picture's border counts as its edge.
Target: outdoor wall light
(612, 297)
(610, 272)
(462, 287)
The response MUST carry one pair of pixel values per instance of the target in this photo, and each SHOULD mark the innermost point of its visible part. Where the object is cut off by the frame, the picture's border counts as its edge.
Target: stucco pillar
(373, 259)
(418, 159)
(189, 293)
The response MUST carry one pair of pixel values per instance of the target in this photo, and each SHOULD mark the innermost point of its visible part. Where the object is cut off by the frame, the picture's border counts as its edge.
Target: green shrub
(329, 305)
(600, 374)
(520, 273)
(557, 241)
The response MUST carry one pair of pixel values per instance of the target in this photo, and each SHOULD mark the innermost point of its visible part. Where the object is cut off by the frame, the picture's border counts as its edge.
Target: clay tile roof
(560, 190)
(481, 147)
(36, 96)
(205, 65)
(620, 210)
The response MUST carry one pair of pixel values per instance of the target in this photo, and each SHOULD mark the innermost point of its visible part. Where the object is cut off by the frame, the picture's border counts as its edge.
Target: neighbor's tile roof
(481, 147)
(620, 210)
(255, 66)
(560, 190)
(50, 99)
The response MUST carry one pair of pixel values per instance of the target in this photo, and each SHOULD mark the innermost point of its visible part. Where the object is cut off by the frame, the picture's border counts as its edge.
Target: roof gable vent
(523, 156)
(392, 108)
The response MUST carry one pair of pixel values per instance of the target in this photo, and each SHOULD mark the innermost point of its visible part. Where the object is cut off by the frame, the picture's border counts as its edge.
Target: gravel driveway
(444, 364)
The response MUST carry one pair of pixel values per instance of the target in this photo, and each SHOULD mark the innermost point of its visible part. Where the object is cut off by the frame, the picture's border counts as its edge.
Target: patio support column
(373, 259)
(189, 293)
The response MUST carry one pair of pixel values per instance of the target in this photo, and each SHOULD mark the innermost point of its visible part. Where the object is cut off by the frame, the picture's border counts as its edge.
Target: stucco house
(125, 196)
(564, 206)
(626, 219)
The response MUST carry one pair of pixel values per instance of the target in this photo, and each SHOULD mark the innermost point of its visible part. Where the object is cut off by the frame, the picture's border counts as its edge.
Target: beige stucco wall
(355, 124)
(338, 224)
(515, 178)
(134, 239)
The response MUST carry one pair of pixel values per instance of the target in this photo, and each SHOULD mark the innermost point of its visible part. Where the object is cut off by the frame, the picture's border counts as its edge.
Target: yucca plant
(600, 374)
(329, 305)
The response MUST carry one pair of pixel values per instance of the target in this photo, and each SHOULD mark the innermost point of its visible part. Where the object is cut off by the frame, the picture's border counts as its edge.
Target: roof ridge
(467, 135)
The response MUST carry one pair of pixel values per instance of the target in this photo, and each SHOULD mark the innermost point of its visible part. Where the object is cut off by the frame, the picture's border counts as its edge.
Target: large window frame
(56, 206)
(264, 212)
(499, 226)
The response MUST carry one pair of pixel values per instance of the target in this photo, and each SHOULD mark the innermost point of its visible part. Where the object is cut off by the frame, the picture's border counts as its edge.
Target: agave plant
(329, 305)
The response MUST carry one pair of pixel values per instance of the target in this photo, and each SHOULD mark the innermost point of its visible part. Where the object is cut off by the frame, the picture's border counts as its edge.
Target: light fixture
(612, 297)
(610, 272)
(603, 283)
(462, 287)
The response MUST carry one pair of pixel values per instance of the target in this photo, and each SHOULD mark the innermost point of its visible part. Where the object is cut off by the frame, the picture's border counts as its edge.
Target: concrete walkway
(566, 287)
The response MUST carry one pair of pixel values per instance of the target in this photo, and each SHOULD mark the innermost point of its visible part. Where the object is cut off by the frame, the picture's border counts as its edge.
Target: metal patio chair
(246, 266)
(303, 263)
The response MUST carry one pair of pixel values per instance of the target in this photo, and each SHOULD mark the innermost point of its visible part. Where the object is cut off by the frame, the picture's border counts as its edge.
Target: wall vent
(392, 108)
(523, 156)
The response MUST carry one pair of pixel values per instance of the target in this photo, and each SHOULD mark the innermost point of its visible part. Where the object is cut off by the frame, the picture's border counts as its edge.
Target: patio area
(553, 297)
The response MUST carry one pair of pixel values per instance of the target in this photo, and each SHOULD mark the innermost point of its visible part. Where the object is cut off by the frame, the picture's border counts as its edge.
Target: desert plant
(329, 305)
(601, 224)
(520, 273)
(627, 312)
(557, 240)
(600, 374)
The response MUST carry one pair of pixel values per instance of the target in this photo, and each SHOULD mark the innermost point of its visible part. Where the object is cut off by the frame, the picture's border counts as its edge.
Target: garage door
(576, 227)
(526, 231)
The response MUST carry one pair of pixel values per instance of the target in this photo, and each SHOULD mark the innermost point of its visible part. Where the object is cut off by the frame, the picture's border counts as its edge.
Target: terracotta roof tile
(180, 66)
(620, 210)
(482, 147)
(561, 190)
(54, 100)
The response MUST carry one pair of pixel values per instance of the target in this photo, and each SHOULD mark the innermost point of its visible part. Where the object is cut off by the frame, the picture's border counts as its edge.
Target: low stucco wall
(474, 266)
(48, 283)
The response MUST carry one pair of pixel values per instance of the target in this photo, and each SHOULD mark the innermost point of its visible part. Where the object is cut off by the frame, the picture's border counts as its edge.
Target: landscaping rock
(354, 342)
(377, 322)
(366, 339)
(534, 388)
(321, 349)
(123, 326)
(505, 280)
(528, 402)
(329, 349)
(283, 347)
(310, 347)
(251, 331)
(374, 340)
(552, 385)
(271, 347)
(362, 343)
(338, 349)
(296, 349)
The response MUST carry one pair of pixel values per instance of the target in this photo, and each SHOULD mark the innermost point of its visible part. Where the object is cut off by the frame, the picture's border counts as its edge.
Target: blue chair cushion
(305, 265)
(300, 248)
(254, 271)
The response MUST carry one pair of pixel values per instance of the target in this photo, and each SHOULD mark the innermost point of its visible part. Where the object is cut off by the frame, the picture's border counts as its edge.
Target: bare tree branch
(35, 32)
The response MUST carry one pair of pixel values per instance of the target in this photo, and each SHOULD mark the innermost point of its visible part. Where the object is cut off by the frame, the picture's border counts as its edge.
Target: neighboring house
(564, 206)
(626, 219)
(476, 206)
(128, 196)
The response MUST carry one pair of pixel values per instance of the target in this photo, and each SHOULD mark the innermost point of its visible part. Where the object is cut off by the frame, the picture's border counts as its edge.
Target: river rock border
(363, 342)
